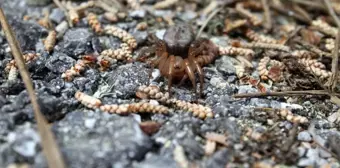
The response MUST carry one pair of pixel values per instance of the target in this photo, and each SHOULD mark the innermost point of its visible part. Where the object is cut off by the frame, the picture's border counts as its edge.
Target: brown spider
(179, 56)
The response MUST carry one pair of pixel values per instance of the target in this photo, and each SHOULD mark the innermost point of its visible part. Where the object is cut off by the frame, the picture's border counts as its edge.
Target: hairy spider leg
(170, 73)
(201, 76)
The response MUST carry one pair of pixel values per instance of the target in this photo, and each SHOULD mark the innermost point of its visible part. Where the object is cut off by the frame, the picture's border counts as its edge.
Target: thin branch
(301, 11)
(286, 93)
(312, 4)
(291, 35)
(267, 15)
(335, 53)
(289, 13)
(49, 145)
(207, 21)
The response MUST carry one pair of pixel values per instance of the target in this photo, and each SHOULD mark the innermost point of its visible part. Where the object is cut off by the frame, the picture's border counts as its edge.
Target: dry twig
(335, 65)
(286, 93)
(267, 15)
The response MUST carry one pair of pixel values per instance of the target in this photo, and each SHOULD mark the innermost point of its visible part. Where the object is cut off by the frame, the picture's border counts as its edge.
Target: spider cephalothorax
(180, 56)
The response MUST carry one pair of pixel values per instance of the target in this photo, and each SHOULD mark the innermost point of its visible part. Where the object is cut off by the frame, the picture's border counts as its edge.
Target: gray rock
(305, 136)
(302, 151)
(246, 89)
(3, 100)
(260, 102)
(77, 41)
(140, 36)
(57, 15)
(25, 143)
(188, 15)
(156, 161)
(160, 33)
(225, 65)
(89, 83)
(127, 78)
(138, 14)
(219, 159)
(110, 42)
(27, 33)
(59, 62)
(113, 141)
(324, 154)
(22, 145)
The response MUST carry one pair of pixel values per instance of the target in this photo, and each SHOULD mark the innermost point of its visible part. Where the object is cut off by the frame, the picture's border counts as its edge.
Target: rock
(127, 78)
(26, 143)
(160, 33)
(301, 151)
(59, 62)
(57, 15)
(225, 65)
(137, 14)
(218, 82)
(256, 102)
(22, 145)
(52, 107)
(38, 2)
(157, 161)
(246, 89)
(113, 141)
(140, 36)
(187, 15)
(222, 125)
(77, 41)
(219, 159)
(110, 42)
(3, 100)
(89, 83)
(27, 33)
(304, 136)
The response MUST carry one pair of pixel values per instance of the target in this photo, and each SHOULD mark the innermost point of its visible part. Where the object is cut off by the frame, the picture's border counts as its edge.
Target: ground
(252, 131)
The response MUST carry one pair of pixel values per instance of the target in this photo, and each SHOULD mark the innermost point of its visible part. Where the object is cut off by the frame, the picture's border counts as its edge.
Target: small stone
(26, 142)
(140, 36)
(57, 15)
(188, 15)
(160, 33)
(138, 14)
(90, 123)
(77, 41)
(305, 136)
(59, 62)
(225, 65)
(301, 151)
(127, 78)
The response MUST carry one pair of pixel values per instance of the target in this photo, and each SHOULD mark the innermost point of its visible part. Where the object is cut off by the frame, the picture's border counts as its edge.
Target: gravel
(92, 138)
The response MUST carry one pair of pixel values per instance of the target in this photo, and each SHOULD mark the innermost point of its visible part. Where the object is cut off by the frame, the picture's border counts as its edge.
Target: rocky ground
(252, 135)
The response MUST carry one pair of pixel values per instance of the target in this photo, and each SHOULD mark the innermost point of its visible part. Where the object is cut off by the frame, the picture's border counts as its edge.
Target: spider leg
(201, 76)
(185, 77)
(156, 62)
(170, 73)
(189, 70)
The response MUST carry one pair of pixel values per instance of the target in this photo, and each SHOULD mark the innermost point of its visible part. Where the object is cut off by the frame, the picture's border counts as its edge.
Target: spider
(180, 56)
